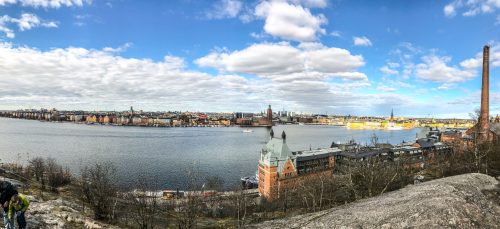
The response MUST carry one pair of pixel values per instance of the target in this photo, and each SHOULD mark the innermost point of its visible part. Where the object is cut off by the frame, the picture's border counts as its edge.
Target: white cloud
(477, 61)
(435, 68)
(46, 3)
(361, 41)
(290, 21)
(393, 65)
(89, 78)
(471, 63)
(336, 33)
(351, 76)
(385, 88)
(25, 22)
(119, 49)
(256, 59)
(311, 46)
(282, 58)
(332, 60)
(472, 7)
(449, 10)
(225, 9)
(257, 36)
(311, 3)
(78, 78)
(388, 71)
(445, 86)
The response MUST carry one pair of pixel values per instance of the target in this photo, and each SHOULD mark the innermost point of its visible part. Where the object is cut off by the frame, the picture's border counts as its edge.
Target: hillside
(464, 201)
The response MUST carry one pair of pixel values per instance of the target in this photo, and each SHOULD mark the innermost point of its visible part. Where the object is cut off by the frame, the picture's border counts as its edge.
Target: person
(17, 207)
(7, 190)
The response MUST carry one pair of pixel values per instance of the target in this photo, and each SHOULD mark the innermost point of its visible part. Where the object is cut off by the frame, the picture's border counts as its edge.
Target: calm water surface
(166, 153)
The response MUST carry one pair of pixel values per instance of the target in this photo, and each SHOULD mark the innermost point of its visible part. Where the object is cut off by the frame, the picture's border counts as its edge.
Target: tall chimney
(484, 122)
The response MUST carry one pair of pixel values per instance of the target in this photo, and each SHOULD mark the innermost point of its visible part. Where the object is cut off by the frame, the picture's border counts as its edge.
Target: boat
(392, 126)
(395, 128)
(247, 131)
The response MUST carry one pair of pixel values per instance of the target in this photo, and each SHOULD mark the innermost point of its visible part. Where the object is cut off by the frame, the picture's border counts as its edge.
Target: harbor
(168, 153)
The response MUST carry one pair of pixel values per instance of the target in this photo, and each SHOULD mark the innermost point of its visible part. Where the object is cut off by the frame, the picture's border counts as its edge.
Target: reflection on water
(166, 153)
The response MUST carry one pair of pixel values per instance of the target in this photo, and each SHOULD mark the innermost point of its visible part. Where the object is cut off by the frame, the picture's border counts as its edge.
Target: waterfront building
(106, 119)
(279, 168)
(136, 120)
(91, 119)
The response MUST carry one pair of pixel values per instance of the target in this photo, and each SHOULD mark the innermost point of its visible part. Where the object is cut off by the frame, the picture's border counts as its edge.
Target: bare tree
(101, 189)
(37, 165)
(55, 174)
(214, 183)
(145, 206)
(239, 202)
(190, 207)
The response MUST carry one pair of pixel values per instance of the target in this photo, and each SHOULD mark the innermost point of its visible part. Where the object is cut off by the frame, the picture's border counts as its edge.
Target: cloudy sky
(421, 58)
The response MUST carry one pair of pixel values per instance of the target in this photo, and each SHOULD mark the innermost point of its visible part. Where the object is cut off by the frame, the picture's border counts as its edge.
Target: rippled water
(166, 153)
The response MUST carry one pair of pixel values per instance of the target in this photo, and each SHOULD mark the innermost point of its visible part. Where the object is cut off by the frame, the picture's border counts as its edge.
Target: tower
(484, 117)
(270, 115)
(131, 115)
(392, 114)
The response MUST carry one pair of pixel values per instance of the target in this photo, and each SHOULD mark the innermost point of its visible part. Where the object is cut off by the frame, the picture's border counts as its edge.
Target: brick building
(280, 168)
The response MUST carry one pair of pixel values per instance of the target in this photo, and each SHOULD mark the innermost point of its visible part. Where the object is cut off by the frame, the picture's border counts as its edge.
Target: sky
(420, 58)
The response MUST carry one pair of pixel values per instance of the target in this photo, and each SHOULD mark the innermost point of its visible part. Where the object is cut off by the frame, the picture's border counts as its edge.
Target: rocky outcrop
(464, 201)
(58, 213)
(53, 214)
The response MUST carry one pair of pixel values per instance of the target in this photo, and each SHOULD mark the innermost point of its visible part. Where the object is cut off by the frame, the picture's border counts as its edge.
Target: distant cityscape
(213, 119)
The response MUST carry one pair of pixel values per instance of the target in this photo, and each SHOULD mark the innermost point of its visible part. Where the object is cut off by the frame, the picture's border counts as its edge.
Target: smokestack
(484, 122)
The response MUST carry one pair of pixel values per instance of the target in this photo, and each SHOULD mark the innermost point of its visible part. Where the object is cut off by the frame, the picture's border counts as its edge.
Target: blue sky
(421, 58)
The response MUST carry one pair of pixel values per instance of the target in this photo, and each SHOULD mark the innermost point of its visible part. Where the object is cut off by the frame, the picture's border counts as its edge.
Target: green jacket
(21, 205)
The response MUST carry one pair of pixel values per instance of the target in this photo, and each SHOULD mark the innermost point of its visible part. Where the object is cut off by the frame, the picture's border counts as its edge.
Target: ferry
(392, 126)
(247, 131)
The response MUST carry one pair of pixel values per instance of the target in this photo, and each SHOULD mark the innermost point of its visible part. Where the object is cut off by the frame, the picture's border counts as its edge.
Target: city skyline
(357, 57)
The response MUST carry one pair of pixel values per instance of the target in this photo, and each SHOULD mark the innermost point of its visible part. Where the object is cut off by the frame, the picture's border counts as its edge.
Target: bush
(49, 172)
(99, 189)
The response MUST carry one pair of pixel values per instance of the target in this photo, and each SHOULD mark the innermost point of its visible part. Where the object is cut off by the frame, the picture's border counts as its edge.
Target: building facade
(279, 168)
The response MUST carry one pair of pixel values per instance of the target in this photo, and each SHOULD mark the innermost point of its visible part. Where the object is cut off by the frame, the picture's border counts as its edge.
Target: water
(166, 153)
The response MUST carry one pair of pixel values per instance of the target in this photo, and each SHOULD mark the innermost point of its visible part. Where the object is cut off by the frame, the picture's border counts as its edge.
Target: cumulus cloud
(471, 7)
(27, 21)
(291, 21)
(46, 3)
(477, 60)
(86, 78)
(256, 59)
(436, 68)
(225, 9)
(271, 59)
(361, 41)
(79, 78)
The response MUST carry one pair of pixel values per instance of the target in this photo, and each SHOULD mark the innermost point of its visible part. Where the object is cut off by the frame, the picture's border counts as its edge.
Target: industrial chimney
(484, 122)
